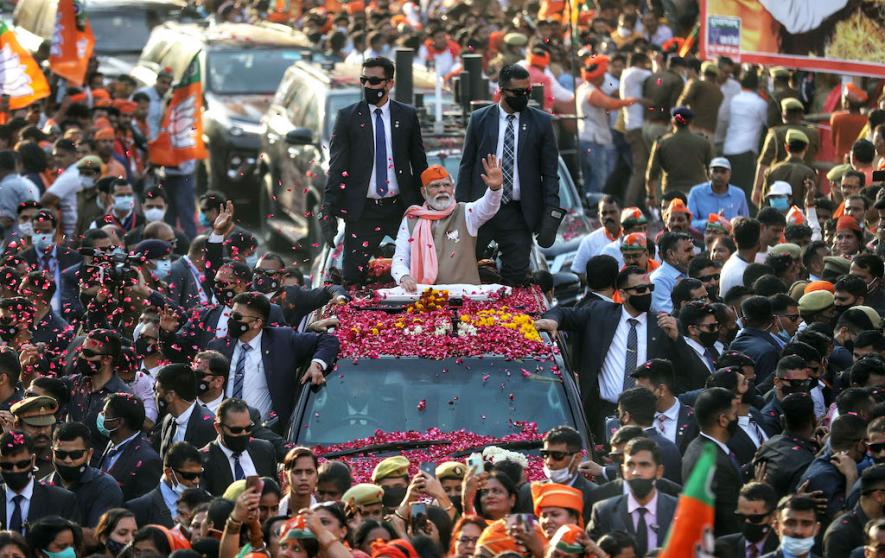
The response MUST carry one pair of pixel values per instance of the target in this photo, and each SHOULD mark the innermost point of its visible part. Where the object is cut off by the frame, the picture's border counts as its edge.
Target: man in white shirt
(631, 86)
(157, 93)
(729, 87)
(747, 117)
(185, 421)
(610, 231)
(77, 175)
(746, 236)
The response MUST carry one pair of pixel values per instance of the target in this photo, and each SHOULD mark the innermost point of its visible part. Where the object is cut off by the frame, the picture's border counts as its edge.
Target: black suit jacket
(671, 457)
(352, 154)
(741, 444)
(71, 308)
(138, 469)
(66, 257)
(594, 327)
(200, 429)
(217, 475)
(693, 374)
(183, 287)
(738, 543)
(726, 485)
(615, 488)
(686, 427)
(151, 509)
(297, 302)
(537, 160)
(283, 353)
(46, 500)
(762, 348)
(611, 515)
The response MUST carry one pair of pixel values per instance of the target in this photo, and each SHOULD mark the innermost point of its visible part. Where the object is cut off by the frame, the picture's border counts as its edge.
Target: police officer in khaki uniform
(794, 170)
(680, 156)
(35, 416)
(781, 90)
(774, 150)
(703, 96)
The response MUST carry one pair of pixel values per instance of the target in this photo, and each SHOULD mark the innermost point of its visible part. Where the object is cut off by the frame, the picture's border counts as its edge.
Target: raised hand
(493, 176)
(225, 220)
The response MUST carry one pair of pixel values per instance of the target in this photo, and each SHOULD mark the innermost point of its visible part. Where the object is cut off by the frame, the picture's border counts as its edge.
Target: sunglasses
(188, 476)
(708, 327)
(876, 447)
(791, 317)
(372, 80)
(519, 92)
(756, 518)
(61, 455)
(238, 316)
(641, 289)
(90, 353)
(707, 278)
(24, 463)
(557, 455)
(239, 429)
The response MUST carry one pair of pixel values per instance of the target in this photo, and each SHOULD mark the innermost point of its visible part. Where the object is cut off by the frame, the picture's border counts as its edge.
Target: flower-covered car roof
(435, 327)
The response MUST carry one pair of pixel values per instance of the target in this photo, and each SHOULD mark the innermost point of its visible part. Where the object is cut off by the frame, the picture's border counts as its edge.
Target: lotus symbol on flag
(14, 78)
(182, 124)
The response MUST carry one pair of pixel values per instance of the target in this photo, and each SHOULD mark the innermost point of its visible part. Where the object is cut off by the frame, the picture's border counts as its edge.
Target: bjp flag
(72, 42)
(20, 76)
(691, 533)
(180, 137)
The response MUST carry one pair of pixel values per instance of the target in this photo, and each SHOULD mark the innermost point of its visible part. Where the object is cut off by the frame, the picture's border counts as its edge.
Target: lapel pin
(396, 124)
(525, 127)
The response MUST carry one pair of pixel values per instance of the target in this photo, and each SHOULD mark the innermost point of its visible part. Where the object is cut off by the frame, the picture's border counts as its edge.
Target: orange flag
(181, 133)
(20, 76)
(72, 42)
(691, 532)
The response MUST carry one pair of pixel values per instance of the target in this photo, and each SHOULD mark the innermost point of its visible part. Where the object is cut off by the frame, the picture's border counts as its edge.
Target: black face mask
(114, 547)
(849, 345)
(236, 328)
(732, 427)
(144, 350)
(373, 96)
(708, 338)
(16, 481)
(202, 386)
(517, 102)
(8, 331)
(87, 367)
(393, 496)
(754, 533)
(70, 473)
(161, 405)
(236, 444)
(641, 302)
(641, 487)
(265, 283)
(225, 296)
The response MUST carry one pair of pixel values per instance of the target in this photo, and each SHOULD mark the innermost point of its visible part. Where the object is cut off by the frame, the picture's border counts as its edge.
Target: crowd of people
(152, 351)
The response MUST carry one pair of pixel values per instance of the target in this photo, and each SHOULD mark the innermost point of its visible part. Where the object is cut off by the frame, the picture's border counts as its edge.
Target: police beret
(153, 249)
(392, 467)
(791, 103)
(816, 301)
(515, 39)
(786, 248)
(363, 494)
(837, 264)
(36, 411)
(451, 470)
(796, 135)
(682, 112)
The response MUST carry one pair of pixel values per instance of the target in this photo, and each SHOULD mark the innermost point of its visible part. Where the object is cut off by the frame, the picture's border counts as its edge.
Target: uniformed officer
(364, 501)
(703, 96)
(781, 90)
(794, 170)
(774, 149)
(35, 416)
(680, 156)
(451, 475)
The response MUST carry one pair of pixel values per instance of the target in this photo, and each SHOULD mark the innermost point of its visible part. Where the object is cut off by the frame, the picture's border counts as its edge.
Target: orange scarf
(424, 266)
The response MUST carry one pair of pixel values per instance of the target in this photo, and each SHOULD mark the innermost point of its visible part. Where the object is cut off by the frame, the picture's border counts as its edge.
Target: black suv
(241, 66)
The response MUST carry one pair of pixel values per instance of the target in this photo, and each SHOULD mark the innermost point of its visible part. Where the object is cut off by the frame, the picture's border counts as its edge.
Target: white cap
(780, 188)
(720, 163)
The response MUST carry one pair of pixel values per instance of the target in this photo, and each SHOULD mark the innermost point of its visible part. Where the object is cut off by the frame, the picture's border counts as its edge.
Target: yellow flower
(374, 331)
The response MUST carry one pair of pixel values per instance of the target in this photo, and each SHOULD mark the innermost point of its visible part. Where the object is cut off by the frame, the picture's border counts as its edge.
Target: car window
(123, 30)
(294, 108)
(234, 71)
(487, 396)
(311, 117)
(334, 103)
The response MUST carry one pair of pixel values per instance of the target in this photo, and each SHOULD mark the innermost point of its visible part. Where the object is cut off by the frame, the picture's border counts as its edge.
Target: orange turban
(397, 548)
(856, 94)
(79, 98)
(100, 123)
(100, 103)
(554, 495)
(496, 540)
(819, 286)
(99, 94)
(106, 133)
(175, 539)
(594, 67)
(541, 60)
(677, 206)
(124, 106)
(848, 223)
(435, 172)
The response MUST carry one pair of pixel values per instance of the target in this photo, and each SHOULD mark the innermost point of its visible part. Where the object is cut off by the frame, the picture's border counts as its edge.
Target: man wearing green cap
(774, 149)
(780, 91)
(703, 96)
(793, 170)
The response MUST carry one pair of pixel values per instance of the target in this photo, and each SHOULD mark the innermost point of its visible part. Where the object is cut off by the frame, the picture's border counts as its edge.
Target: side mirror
(299, 136)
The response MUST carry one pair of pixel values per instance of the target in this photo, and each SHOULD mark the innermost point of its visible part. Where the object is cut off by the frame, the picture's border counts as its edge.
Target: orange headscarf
(557, 495)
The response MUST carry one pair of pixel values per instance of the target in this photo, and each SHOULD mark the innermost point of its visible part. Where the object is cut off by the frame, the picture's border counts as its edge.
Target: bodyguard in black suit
(522, 138)
(234, 454)
(754, 340)
(276, 352)
(187, 282)
(636, 407)
(182, 468)
(673, 419)
(185, 420)
(756, 506)
(744, 444)
(561, 453)
(609, 352)
(715, 412)
(376, 156)
(16, 449)
(615, 488)
(129, 457)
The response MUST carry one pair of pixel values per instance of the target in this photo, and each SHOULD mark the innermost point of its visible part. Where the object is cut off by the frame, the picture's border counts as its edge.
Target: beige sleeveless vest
(455, 248)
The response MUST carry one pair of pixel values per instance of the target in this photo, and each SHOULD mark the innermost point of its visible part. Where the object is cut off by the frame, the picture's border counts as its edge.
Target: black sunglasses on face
(557, 455)
(519, 92)
(24, 463)
(791, 317)
(238, 316)
(89, 353)
(756, 518)
(239, 429)
(641, 289)
(372, 80)
(708, 278)
(61, 455)
(876, 447)
(186, 475)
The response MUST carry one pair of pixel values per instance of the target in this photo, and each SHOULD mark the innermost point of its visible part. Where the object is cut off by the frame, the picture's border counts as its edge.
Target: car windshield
(126, 30)
(238, 72)
(487, 396)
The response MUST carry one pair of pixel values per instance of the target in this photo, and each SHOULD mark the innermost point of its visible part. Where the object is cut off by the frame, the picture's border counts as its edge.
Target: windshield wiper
(406, 444)
(515, 445)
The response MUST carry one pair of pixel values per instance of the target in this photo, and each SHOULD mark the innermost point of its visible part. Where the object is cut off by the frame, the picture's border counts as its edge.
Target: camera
(116, 268)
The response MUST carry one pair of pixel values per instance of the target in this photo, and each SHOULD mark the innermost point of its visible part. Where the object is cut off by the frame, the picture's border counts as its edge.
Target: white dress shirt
(611, 382)
(245, 462)
(667, 421)
(722, 446)
(700, 350)
(24, 505)
(591, 245)
(476, 214)
(392, 184)
(255, 391)
(731, 274)
(729, 89)
(499, 151)
(651, 520)
(747, 115)
(221, 328)
(181, 421)
(753, 430)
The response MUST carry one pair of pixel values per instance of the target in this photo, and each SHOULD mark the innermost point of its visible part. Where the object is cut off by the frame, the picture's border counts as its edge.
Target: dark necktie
(239, 474)
(662, 420)
(173, 429)
(15, 522)
(508, 157)
(752, 550)
(380, 155)
(734, 460)
(759, 434)
(710, 354)
(111, 453)
(632, 355)
(642, 532)
(240, 372)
